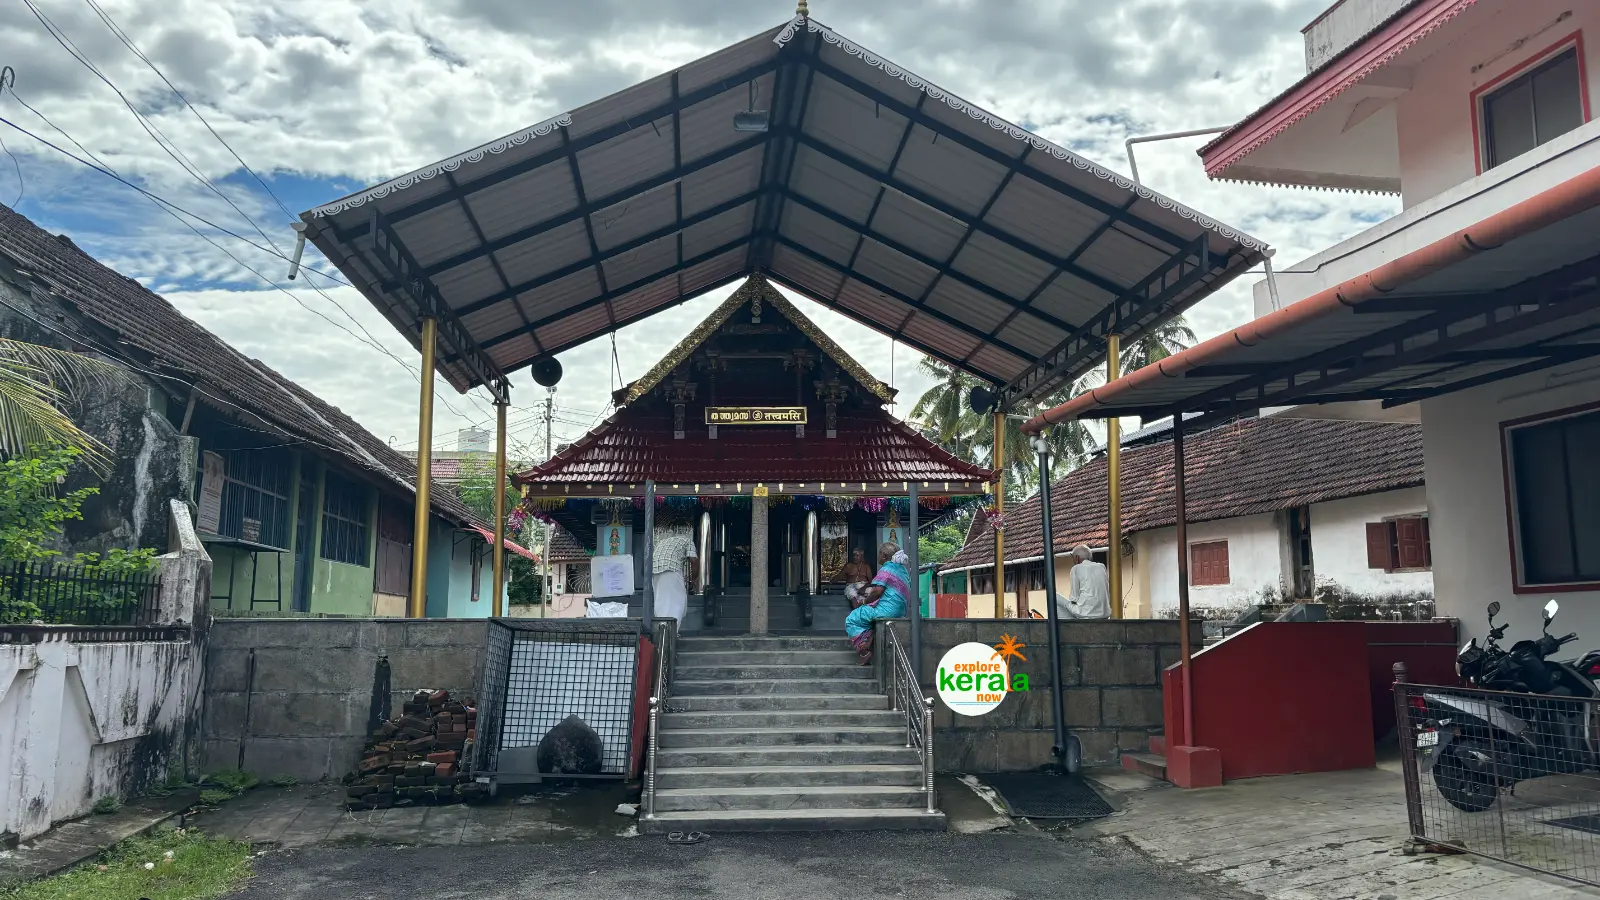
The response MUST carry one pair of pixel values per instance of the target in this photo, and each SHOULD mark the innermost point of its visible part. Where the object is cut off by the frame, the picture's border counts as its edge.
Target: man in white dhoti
(672, 564)
(1089, 586)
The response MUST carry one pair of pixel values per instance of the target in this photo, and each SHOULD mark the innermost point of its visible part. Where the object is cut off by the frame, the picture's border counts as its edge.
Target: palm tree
(1160, 342)
(943, 407)
(36, 384)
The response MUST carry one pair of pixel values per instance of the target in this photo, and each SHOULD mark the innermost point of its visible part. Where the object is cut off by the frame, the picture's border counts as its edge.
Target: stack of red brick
(421, 757)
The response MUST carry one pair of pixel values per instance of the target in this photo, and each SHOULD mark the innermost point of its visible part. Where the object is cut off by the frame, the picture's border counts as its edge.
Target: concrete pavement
(857, 866)
(1326, 836)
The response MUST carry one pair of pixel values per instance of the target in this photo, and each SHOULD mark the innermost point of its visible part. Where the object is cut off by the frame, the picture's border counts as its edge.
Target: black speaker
(547, 371)
(981, 399)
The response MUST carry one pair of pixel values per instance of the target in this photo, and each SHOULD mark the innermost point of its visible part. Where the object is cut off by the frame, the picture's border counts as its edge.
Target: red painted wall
(950, 606)
(1427, 648)
(1279, 698)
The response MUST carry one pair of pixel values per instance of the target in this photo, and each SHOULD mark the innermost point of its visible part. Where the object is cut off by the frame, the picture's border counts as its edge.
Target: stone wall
(1111, 679)
(296, 696)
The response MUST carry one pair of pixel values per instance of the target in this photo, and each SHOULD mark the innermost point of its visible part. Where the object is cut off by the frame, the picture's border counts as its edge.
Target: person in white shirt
(1089, 589)
(673, 563)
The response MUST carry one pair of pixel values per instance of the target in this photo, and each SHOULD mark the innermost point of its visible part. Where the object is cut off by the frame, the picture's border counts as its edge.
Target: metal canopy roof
(872, 192)
(1516, 293)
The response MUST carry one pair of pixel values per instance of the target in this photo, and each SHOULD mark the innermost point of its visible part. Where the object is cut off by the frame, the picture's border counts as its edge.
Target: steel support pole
(648, 550)
(999, 464)
(912, 539)
(1114, 482)
(1181, 510)
(418, 608)
(1058, 713)
(499, 509)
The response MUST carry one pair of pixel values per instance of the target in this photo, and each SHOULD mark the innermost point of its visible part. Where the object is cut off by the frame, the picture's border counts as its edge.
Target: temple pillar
(759, 578)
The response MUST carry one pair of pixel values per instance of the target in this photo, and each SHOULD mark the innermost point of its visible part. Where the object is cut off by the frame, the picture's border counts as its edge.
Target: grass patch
(107, 805)
(199, 868)
(283, 781)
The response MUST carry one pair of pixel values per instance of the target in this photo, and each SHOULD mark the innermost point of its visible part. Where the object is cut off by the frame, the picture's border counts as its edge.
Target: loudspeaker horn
(547, 371)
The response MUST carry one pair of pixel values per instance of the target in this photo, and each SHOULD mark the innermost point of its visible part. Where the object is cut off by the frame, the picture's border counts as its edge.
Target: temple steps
(782, 734)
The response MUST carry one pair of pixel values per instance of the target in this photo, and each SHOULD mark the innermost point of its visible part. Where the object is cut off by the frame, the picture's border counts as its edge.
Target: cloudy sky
(323, 97)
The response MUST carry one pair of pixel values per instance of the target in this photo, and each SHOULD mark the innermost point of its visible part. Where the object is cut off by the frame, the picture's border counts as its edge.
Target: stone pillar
(759, 577)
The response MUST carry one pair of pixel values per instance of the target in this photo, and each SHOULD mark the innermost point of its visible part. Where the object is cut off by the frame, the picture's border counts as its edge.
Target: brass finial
(800, 9)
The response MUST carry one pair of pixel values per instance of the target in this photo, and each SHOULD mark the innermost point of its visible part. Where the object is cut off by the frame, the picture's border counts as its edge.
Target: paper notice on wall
(611, 576)
(214, 471)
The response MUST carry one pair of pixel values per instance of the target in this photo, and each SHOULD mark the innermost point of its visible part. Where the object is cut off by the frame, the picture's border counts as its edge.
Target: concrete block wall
(294, 696)
(1111, 683)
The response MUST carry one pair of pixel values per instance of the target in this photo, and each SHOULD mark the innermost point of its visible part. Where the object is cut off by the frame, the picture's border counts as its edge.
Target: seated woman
(885, 598)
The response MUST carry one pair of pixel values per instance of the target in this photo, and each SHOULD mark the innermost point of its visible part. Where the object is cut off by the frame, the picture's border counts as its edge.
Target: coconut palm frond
(66, 370)
(31, 416)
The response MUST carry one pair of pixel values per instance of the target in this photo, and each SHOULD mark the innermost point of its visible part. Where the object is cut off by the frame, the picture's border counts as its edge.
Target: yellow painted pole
(499, 508)
(999, 462)
(1114, 478)
(419, 522)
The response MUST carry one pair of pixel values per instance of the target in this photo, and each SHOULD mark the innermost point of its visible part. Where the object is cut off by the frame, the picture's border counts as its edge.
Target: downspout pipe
(1167, 136)
(1575, 195)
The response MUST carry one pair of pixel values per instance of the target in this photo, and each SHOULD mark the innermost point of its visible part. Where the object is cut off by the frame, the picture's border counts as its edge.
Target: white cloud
(334, 94)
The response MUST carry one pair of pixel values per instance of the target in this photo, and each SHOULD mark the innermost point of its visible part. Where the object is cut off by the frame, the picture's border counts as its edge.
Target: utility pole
(549, 571)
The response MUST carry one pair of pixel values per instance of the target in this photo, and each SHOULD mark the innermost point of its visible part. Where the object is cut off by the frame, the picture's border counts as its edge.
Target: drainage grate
(1040, 795)
(1587, 823)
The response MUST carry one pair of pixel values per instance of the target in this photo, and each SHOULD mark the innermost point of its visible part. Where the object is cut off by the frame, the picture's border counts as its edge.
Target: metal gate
(1523, 790)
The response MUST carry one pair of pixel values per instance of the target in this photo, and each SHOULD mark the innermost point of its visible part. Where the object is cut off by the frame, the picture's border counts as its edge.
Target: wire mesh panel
(558, 698)
(1505, 775)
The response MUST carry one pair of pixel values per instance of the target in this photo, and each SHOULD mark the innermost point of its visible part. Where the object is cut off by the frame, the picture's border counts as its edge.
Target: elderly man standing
(672, 564)
(1089, 589)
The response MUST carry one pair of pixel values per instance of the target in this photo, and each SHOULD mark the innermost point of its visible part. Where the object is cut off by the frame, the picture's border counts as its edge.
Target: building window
(1208, 563)
(255, 496)
(983, 581)
(1534, 108)
(344, 521)
(1554, 469)
(1399, 544)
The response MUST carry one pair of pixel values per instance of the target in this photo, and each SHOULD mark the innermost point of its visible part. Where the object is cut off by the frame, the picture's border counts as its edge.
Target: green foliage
(939, 544)
(36, 385)
(476, 487)
(32, 508)
(527, 585)
(107, 805)
(282, 781)
(200, 868)
(215, 797)
(232, 781)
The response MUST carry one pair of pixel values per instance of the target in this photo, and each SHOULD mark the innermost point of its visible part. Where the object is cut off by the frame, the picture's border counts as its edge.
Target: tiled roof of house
(635, 445)
(159, 339)
(564, 547)
(1239, 469)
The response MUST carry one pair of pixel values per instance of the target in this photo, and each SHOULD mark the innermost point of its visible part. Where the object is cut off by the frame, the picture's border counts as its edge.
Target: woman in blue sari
(884, 598)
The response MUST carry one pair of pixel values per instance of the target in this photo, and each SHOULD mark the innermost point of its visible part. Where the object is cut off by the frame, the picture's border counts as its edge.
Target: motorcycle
(1538, 723)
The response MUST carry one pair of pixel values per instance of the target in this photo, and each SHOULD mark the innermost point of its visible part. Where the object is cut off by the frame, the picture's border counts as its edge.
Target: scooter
(1475, 746)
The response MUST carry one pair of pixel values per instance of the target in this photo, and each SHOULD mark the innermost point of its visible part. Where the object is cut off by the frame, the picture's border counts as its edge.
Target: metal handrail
(905, 695)
(666, 641)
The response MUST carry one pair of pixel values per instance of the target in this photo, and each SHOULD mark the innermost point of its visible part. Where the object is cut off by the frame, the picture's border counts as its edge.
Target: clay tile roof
(564, 547)
(159, 339)
(1239, 469)
(634, 445)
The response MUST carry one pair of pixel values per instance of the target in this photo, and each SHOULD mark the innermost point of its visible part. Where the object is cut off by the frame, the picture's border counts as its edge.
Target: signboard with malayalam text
(755, 415)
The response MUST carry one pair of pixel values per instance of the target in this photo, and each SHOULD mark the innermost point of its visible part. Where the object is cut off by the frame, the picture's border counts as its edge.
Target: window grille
(344, 521)
(255, 497)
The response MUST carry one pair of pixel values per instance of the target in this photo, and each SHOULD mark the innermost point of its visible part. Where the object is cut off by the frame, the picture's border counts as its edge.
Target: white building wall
(1467, 501)
(1339, 543)
(1254, 564)
(1438, 149)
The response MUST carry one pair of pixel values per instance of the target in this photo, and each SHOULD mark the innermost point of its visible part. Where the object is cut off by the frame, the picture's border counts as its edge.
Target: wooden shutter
(1411, 542)
(1208, 563)
(1380, 546)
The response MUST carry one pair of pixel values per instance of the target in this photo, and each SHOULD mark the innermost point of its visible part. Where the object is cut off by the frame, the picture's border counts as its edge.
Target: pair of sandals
(686, 837)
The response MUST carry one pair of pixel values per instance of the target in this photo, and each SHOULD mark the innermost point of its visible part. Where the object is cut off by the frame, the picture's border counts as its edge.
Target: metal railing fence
(54, 593)
(1508, 776)
(905, 696)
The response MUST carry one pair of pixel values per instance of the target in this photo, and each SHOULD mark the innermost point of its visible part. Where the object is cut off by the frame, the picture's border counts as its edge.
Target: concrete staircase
(782, 734)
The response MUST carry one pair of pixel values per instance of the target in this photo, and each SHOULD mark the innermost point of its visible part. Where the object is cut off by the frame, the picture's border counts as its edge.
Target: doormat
(1589, 823)
(1041, 795)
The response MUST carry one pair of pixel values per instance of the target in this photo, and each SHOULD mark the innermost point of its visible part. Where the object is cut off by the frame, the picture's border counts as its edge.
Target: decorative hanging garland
(873, 504)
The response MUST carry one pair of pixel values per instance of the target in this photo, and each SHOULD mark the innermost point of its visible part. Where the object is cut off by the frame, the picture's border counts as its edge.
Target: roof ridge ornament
(801, 10)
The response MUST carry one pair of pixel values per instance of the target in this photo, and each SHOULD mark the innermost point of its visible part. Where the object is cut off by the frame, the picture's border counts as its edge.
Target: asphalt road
(858, 866)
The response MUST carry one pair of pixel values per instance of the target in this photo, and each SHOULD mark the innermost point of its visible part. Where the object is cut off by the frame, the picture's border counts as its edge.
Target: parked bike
(1538, 722)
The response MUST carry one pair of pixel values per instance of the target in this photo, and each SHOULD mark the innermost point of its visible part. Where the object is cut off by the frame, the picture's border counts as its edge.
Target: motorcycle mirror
(1550, 609)
(1494, 609)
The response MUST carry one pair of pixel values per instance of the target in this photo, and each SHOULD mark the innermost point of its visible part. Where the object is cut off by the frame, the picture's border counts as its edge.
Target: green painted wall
(231, 572)
(341, 589)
